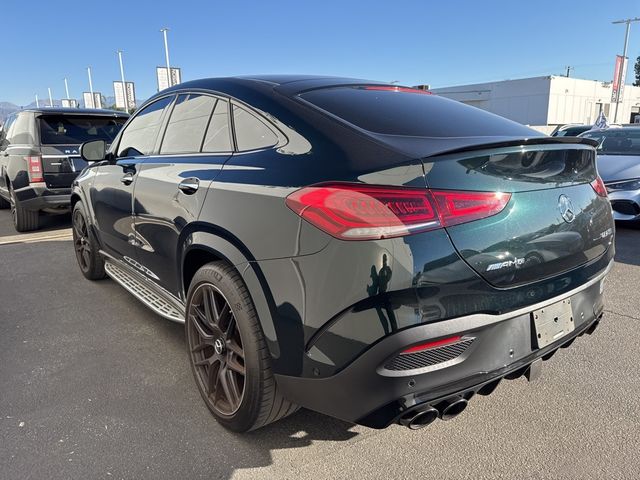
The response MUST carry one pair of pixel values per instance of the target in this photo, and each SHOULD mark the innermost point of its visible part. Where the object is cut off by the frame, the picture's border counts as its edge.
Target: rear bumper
(503, 346)
(39, 197)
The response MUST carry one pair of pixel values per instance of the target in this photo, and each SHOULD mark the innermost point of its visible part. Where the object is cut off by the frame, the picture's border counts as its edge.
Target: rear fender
(225, 245)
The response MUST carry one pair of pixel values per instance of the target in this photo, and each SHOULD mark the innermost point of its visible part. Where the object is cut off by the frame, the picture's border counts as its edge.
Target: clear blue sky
(440, 43)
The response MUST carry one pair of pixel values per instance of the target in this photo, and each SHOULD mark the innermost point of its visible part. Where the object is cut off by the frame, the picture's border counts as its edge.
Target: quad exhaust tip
(421, 417)
(418, 419)
(453, 409)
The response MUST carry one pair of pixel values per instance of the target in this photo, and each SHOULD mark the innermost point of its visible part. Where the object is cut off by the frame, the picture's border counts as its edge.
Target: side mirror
(93, 151)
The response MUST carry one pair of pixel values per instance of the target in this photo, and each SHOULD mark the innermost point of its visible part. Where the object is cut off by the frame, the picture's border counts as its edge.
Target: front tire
(89, 260)
(23, 220)
(229, 357)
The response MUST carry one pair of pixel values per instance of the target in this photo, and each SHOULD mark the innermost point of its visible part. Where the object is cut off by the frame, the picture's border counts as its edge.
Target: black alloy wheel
(81, 242)
(89, 259)
(216, 351)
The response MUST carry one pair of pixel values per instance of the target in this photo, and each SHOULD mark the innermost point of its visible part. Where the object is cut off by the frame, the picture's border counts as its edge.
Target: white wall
(525, 100)
(542, 101)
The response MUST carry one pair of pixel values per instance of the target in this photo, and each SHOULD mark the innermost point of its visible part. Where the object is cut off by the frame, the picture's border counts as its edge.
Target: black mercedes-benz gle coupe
(369, 251)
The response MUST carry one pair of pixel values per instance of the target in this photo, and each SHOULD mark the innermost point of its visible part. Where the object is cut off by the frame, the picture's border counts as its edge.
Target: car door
(173, 182)
(114, 184)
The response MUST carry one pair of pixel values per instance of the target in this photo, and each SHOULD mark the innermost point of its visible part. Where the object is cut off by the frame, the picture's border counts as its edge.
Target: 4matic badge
(506, 264)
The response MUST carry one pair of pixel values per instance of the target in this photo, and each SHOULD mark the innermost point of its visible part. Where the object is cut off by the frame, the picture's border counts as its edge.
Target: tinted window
(64, 129)
(251, 133)
(218, 138)
(616, 141)
(187, 124)
(140, 135)
(410, 112)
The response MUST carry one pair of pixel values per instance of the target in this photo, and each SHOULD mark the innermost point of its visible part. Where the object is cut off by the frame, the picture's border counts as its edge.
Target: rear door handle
(189, 186)
(127, 179)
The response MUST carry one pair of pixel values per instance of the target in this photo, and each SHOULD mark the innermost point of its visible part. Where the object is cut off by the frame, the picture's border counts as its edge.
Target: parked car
(619, 165)
(372, 252)
(570, 130)
(39, 158)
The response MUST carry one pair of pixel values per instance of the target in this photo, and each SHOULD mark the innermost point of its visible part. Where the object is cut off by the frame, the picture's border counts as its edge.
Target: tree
(637, 70)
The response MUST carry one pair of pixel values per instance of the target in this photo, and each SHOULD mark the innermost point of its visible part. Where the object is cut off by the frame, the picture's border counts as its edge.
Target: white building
(545, 102)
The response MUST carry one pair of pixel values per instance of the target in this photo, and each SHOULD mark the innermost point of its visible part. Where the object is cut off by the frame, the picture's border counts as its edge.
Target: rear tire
(227, 352)
(23, 220)
(89, 259)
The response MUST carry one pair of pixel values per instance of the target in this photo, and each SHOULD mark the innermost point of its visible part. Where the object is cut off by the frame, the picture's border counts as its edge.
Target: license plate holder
(553, 322)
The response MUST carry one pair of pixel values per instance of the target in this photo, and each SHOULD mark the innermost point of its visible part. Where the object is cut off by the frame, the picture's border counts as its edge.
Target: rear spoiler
(512, 142)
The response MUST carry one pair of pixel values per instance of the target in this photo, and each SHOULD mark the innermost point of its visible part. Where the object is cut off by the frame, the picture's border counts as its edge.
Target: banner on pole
(619, 78)
(120, 95)
(163, 80)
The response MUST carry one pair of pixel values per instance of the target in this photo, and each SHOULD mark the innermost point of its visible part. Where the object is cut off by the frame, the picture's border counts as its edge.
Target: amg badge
(506, 264)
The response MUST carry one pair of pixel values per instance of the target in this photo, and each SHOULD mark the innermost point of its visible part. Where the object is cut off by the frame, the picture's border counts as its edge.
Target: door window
(139, 137)
(188, 124)
(251, 132)
(218, 137)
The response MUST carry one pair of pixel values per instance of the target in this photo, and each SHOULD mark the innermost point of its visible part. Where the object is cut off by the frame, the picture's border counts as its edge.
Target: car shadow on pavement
(628, 244)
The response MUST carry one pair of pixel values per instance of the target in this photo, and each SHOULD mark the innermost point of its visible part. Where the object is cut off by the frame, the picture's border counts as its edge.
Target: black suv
(39, 158)
(369, 251)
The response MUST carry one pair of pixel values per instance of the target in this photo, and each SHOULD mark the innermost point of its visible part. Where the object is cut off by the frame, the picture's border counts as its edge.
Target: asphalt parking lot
(94, 385)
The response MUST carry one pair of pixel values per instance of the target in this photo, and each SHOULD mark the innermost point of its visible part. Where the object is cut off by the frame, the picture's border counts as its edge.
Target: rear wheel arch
(200, 247)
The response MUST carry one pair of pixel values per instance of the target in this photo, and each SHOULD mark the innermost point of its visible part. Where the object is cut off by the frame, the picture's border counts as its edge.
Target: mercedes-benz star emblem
(218, 346)
(566, 208)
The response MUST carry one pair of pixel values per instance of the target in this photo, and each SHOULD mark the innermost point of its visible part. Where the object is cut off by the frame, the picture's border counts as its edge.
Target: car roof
(284, 84)
(74, 111)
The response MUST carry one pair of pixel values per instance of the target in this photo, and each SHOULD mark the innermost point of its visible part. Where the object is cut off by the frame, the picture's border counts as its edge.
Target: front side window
(139, 137)
(251, 132)
(188, 124)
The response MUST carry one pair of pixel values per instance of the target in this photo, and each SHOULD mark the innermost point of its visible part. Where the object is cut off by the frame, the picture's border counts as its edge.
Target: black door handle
(127, 179)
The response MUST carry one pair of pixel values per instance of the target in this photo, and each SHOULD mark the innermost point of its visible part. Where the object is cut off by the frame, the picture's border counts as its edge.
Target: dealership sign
(89, 102)
(130, 102)
(69, 103)
(164, 81)
(619, 78)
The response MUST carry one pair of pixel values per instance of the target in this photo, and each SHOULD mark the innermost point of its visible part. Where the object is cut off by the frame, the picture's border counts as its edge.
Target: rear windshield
(616, 141)
(410, 112)
(65, 129)
(572, 131)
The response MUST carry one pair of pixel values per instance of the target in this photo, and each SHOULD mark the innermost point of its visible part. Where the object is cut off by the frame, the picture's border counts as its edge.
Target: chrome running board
(147, 292)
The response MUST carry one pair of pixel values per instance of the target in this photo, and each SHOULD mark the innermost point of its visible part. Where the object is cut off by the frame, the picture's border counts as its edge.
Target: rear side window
(251, 132)
(65, 129)
(139, 137)
(188, 123)
(410, 112)
(218, 138)
(23, 130)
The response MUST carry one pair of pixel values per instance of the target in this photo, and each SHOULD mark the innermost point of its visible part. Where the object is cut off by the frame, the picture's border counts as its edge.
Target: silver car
(619, 167)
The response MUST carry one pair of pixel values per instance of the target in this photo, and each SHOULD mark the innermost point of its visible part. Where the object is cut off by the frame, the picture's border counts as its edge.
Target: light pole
(166, 55)
(37, 102)
(93, 101)
(124, 85)
(50, 97)
(66, 88)
(621, 73)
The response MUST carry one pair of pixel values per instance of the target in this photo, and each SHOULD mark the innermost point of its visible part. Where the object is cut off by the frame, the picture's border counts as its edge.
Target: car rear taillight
(599, 187)
(35, 169)
(384, 88)
(364, 212)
